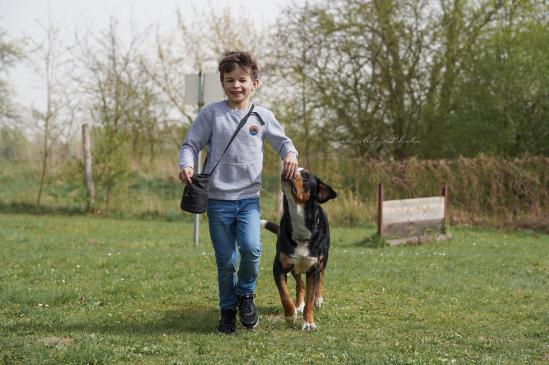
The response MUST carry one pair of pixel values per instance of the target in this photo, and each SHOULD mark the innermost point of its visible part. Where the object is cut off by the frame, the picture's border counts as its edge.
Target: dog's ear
(324, 192)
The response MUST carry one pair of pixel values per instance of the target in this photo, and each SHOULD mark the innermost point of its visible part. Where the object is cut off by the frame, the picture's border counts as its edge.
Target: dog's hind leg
(319, 288)
(281, 281)
(300, 293)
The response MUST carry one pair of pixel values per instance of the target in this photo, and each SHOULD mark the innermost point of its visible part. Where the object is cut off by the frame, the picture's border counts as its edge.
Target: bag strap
(240, 125)
(258, 118)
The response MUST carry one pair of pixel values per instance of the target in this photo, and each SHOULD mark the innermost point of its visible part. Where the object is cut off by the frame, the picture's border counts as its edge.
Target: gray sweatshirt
(238, 175)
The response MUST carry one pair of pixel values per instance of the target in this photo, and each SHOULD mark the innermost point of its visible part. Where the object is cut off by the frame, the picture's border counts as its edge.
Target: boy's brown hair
(239, 59)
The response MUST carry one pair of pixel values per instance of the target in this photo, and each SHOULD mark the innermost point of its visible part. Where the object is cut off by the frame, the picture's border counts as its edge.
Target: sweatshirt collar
(236, 111)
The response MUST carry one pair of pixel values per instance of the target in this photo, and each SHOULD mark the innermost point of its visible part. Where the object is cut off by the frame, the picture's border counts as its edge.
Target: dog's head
(306, 187)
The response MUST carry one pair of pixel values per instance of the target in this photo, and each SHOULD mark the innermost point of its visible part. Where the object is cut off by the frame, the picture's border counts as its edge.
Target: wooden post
(380, 210)
(86, 146)
(445, 195)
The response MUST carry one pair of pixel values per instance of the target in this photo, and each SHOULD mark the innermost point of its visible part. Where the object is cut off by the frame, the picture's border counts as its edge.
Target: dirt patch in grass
(273, 317)
(58, 341)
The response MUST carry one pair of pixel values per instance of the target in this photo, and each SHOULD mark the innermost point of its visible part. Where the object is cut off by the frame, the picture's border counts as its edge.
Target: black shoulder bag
(195, 195)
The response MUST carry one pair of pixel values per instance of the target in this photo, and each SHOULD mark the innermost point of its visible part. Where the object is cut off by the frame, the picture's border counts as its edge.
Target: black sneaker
(246, 311)
(227, 323)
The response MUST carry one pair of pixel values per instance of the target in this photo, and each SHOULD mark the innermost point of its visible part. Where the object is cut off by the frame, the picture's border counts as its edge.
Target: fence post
(380, 209)
(86, 146)
(445, 195)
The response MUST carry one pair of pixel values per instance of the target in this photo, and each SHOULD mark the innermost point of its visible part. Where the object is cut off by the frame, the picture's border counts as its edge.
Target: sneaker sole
(251, 327)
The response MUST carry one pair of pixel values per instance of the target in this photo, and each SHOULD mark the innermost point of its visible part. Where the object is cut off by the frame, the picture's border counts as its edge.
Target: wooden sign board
(412, 220)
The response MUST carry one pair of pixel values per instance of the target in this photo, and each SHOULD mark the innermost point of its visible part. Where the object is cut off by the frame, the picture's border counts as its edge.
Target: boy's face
(238, 86)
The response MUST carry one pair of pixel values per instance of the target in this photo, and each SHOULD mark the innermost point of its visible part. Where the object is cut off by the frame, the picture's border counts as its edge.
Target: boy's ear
(324, 192)
(257, 84)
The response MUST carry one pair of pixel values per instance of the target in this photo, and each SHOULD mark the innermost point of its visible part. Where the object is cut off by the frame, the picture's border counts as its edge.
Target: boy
(233, 197)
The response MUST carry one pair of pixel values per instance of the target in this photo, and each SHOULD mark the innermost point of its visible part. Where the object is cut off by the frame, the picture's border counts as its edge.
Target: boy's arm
(197, 137)
(278, 139)
(283, 145)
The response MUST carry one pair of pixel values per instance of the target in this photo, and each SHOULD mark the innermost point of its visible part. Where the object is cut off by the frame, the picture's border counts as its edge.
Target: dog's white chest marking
(301, 258)
(299, 231)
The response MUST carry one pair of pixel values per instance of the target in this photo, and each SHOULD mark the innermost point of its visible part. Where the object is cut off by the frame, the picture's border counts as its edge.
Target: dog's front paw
(300, 307)
(318, 302)
(308, 327)
(291, 319)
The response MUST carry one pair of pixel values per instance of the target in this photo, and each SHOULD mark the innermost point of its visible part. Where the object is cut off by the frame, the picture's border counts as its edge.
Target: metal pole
(198, 166)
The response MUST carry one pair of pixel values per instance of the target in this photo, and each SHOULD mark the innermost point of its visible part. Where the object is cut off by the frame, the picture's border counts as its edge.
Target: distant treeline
(411, 93)
(485, 190)
(402, 78)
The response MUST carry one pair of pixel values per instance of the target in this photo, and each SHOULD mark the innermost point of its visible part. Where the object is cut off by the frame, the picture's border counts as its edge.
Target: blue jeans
(232, 223)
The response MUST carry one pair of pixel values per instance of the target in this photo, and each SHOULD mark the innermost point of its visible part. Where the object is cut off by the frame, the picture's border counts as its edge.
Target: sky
(20, 18)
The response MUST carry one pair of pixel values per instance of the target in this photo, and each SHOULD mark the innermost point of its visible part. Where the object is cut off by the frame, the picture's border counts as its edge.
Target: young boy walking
(234, 187)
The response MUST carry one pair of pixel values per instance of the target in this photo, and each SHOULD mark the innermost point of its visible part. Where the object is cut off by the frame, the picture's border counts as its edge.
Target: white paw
(308, 327)
(291, 319)
(299, 309)
(318, 302)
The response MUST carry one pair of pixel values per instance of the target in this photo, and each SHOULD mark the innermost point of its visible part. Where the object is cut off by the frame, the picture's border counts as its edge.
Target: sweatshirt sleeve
(197, 137)
(276, 137)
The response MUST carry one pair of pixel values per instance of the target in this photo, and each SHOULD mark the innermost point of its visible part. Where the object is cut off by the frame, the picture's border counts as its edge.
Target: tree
(10, 53)
(360, 63)
(55, 118)
(120, 103)
(379, 78)
(503, 95)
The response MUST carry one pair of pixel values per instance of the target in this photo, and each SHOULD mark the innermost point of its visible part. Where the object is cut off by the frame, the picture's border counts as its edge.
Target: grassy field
(77, 290)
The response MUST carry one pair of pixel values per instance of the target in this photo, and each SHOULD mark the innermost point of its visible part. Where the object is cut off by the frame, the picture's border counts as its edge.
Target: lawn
(77, 290)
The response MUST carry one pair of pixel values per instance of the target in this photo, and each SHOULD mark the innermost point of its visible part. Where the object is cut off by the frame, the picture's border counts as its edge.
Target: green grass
(144, 196)
(77, 290)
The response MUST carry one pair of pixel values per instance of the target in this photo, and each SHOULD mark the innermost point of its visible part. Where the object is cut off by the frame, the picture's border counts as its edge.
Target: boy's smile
(238, 87)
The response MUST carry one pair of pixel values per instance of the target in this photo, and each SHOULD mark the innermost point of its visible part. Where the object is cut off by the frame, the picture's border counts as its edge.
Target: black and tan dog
(303, 241)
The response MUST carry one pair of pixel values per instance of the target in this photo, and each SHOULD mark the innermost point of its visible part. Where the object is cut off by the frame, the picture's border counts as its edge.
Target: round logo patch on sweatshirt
(253, 130)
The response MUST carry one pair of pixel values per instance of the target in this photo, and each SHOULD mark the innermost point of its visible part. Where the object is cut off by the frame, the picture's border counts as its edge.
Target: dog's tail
(269, 226)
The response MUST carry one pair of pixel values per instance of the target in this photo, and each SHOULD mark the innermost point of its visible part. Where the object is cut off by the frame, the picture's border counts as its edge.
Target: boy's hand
(186, 174)
(289, 165)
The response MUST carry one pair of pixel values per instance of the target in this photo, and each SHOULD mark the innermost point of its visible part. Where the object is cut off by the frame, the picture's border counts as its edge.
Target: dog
(302, 245)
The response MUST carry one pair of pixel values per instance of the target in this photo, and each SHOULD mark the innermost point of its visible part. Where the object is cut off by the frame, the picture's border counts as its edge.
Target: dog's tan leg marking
(286, 299)
(319, 288)
(300, 293)
(285, 261)
(309, 323)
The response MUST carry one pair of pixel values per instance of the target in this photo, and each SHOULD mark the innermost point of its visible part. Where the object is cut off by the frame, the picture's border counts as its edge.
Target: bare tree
(121, 102)
(10, 53)
(52, 118)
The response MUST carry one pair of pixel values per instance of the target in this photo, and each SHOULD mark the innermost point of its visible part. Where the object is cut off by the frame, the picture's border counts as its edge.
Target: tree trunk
(44, 162)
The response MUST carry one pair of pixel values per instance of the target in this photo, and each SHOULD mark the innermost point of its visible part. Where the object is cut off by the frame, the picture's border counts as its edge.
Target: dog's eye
(294, 190)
